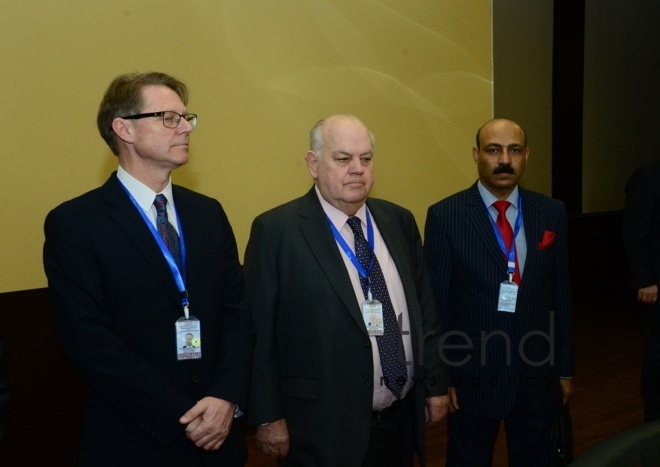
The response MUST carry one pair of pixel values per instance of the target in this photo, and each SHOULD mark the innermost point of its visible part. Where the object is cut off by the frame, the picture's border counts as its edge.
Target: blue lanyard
(178, 278)
(351, 256)
(511, 255)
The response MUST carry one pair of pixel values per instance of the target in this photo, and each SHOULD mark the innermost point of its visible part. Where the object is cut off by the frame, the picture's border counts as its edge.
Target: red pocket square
(547, 241)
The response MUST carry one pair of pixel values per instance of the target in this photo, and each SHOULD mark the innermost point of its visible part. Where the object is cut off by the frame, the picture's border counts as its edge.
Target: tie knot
(501, 206)
(160, 202)
(355, 224)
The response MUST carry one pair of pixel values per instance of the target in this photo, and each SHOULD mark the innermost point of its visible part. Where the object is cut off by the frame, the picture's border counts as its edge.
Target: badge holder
(188, 338)
(508, 293)
(372, 313)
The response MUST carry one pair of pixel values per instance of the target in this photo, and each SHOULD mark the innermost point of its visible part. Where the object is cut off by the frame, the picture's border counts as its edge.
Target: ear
(123, 130)
(475, 155)
(526, 154)
(312, 164)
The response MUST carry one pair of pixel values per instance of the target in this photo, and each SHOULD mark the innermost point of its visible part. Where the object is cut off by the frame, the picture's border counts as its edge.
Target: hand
(208, 422)
(453, 400)
(648, 294)
(273, 439)
(436, 409)
(566, 386)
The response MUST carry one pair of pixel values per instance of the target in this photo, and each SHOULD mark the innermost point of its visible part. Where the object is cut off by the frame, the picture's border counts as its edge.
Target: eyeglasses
(171, 119)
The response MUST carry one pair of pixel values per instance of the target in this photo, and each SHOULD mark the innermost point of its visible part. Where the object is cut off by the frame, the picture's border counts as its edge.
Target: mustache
(504, 169)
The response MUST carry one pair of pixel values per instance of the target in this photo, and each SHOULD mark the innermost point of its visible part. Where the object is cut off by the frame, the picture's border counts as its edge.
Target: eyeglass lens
(172, 119)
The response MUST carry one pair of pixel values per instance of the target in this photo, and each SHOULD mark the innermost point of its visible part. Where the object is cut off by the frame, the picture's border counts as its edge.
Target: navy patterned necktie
(390, 344)
(167, 230)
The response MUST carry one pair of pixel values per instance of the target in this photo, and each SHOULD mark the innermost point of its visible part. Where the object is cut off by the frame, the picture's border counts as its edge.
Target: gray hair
(317, 137)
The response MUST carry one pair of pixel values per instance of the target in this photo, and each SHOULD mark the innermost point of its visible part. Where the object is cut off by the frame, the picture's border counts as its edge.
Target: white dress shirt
(145, 196)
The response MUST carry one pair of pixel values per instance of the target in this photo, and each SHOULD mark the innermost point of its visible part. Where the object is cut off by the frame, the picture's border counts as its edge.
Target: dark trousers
(471, 439)
(650, 375)
(391, 439)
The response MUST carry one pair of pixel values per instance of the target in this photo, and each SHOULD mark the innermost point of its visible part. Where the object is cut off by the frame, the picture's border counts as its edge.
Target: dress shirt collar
(339, 218)
(142, 193)
(490, 198)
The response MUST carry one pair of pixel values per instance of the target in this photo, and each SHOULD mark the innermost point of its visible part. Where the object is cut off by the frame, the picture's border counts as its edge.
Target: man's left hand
(566, 386)
(208, 422)
(436, 409)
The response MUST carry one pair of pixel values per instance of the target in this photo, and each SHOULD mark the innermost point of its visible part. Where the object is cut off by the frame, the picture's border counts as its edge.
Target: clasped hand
(208, 422)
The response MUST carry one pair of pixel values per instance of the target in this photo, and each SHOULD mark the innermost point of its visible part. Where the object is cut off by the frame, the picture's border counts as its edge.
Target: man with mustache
(496, 253)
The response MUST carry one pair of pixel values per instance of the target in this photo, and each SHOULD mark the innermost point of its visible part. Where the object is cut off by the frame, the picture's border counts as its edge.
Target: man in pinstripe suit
(505, 310)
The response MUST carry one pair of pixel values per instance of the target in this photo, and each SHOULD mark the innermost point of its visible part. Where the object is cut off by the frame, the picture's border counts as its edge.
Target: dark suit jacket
(641, 225)
(466, 268)
(115, 303)
(313, 359)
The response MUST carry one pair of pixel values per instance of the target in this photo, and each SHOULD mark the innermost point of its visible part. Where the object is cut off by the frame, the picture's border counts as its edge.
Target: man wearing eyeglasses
(134, 266)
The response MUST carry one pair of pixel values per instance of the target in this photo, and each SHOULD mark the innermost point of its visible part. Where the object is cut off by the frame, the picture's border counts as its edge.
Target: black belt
(386, 413)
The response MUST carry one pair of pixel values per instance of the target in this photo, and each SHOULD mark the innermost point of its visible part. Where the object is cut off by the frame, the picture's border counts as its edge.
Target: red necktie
(507, 233)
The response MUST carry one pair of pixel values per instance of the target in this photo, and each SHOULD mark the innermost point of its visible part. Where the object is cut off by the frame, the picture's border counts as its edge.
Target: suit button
(367, 384)
(195, 379)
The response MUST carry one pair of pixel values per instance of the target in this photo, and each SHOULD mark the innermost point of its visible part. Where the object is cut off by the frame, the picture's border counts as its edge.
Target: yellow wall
(261, 74)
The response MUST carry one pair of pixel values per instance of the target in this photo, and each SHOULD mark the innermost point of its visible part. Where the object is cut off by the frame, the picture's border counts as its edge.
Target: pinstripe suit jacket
(491, 353)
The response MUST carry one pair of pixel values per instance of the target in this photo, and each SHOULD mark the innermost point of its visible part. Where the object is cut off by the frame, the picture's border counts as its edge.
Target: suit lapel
(479, 217)
(532, 222)
(314, 227)
(192, 224)
(129, 220)
(394, 240)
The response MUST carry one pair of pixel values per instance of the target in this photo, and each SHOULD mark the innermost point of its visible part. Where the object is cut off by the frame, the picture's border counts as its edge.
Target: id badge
(372, 313)
(188, 338)
(508, 297)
